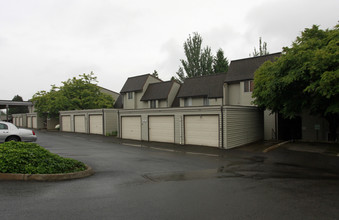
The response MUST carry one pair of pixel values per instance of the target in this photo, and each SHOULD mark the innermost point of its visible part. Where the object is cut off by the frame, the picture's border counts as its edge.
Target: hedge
(30, 158)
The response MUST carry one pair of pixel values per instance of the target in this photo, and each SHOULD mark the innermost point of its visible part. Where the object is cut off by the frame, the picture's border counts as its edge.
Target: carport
(6, 104)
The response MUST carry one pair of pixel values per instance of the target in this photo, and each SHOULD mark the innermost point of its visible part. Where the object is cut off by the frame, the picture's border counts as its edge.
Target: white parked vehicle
(9, 132)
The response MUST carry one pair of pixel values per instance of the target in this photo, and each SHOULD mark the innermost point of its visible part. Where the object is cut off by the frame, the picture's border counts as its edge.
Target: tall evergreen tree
(262, 49)
(220, 62)
(199, 61)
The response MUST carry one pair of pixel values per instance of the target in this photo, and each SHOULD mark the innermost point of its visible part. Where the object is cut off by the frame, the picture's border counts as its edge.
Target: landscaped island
(30, 158)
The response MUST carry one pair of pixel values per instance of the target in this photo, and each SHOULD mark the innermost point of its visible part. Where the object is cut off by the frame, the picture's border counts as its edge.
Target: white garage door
(79, 124)
(161, 128)
(16, 122)
(131, 128)
(95, 124)
(35, 122)
(202, 130)
(29, 122)
(66, 123)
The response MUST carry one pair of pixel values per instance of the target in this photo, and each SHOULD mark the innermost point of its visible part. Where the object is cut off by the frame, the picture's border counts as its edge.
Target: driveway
(134, 182)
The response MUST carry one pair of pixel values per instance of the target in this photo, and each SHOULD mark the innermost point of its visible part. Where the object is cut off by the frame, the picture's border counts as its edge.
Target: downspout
(118, 128)
(222, 127)
(180, 130)
(7, 112)
(103, 123)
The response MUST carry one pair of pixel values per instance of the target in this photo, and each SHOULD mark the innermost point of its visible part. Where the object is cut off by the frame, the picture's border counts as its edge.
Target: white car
(9, 132)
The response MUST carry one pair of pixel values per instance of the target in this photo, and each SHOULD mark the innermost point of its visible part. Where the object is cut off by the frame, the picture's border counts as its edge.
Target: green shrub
(30, 158)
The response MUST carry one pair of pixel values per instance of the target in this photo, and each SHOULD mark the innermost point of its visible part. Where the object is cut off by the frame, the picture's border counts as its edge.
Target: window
(130, 95)
(188, 102)
(206, 101)
(3, 127)
(248, 86)
(153, 103)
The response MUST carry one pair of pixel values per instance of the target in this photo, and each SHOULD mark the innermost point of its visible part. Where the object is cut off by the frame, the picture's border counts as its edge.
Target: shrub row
(30, 158)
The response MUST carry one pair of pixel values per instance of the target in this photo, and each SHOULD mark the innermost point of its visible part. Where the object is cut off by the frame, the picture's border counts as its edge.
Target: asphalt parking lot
(136, 180)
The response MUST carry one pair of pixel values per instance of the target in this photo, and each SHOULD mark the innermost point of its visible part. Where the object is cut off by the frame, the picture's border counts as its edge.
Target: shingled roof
(135, 83)
(210, 86)
(157, 91)
(118, 103)
(244, 69)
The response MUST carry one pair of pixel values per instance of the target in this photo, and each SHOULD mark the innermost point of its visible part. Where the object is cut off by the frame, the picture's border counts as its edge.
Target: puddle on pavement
(191, 175)
(261, 172)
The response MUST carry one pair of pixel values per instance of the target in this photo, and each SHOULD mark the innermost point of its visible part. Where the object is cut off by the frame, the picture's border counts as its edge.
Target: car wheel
(13, 138)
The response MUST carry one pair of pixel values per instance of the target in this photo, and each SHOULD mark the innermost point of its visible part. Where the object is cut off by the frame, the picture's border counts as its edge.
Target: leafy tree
(17, 109)
(305, 77)
(199, 61)
(74, 94)
(220, 62)
(262, 49)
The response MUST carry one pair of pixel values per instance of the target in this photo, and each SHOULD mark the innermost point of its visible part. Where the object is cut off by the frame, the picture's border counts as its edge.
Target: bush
(30, 158)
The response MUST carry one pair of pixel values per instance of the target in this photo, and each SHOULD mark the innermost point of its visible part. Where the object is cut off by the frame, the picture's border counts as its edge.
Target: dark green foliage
(17, 109)
(75, 94)
(155, 74)
(30, 158)
(305, 77)
(262, 49)
(220, 62)
(199, 61)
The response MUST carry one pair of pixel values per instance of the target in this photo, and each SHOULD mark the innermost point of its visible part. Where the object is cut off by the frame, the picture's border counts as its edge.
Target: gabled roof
(135, 83)
(157, 91)
(244, 69)
(108, 90)
(210, 86)
(118, 103)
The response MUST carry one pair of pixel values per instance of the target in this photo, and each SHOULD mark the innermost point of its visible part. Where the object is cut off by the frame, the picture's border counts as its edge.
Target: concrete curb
(47, 177)
(275, 146)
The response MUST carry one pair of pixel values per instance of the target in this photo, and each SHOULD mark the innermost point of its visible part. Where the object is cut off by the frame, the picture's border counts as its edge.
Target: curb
(275, 146)
(47, 177)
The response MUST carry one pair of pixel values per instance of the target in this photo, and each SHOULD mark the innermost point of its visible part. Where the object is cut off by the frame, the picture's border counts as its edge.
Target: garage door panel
(35, 122)
(131, 128)
(79, 124)
(161, 128)
(29, 122)
(96, 124)
(202, 130)
(66, 123)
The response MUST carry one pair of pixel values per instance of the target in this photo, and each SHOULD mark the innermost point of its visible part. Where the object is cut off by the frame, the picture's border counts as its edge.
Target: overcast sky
(44, 42)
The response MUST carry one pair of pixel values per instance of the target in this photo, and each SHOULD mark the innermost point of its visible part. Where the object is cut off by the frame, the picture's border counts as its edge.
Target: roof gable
(210, 86)
(244, 69)
(157, 91)
(135, 83)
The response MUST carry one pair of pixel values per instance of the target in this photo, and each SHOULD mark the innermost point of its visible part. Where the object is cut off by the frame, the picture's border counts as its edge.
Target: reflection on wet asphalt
(254, 167)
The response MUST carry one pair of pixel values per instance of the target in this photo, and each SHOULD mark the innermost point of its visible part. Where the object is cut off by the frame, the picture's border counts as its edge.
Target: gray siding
(178, 114)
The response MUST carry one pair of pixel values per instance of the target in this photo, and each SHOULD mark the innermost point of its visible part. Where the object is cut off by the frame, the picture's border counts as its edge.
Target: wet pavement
(137, 180)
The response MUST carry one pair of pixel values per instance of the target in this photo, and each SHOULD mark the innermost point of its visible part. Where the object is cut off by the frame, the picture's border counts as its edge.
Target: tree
(199, 61)
(155, 74)
(17, 109)
(220, 62)
(305, 77)
(262, 49)
(74, 94)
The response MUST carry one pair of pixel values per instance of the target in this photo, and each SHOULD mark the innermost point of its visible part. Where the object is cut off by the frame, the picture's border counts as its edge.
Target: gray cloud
(46, 42)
